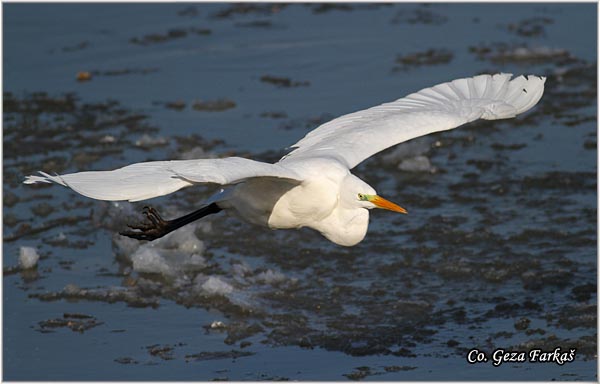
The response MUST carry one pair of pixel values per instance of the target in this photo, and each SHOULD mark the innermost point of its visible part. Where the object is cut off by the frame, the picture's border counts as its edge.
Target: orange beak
(380, 202)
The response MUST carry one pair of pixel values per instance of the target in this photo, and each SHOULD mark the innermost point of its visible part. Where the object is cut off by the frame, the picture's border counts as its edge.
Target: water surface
(499, 249)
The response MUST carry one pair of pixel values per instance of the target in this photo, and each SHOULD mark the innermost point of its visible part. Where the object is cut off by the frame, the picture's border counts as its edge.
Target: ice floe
(28, 257)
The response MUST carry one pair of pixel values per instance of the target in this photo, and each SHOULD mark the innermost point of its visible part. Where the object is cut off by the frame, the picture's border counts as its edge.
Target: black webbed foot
(154, 227)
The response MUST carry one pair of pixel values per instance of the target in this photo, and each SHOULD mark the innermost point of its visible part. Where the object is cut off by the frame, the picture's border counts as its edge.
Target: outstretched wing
(352, 138)
(143, 181)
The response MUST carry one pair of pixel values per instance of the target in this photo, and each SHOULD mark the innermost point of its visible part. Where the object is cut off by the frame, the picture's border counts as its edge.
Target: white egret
(312, 186)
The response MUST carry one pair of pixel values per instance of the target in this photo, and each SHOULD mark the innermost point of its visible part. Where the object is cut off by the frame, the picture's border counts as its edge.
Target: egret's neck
(345, 227)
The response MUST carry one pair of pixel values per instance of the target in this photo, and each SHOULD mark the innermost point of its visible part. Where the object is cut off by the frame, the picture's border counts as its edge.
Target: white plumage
(312, 185)
(142, 181)
(352, 138)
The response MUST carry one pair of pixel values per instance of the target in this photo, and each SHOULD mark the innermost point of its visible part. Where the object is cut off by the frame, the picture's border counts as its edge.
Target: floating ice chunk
(183, 240)
(241, 299)
(148, 260)
(240, 269)
(107, 139)
(169, 262)
(125, 246)
(197, 260)
(204, 226)
(147, 141)
(217, 325)
(177, 252)
(196, 153)
(71, 289)
(214, 286)
(116, 215)
(270, 277)
(536, 52)
(407, 150)
(28, 257)
(61, 237)
(416, 164)
(521, 54)
(182, 281)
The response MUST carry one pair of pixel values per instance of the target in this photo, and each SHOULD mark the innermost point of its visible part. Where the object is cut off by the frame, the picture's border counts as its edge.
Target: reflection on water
(499, 250)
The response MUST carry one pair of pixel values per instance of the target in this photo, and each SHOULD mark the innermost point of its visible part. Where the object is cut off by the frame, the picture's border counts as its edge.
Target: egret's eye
(361, 196)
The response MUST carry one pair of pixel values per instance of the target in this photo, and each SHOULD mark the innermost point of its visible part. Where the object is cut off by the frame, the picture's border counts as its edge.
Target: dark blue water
(468, 246)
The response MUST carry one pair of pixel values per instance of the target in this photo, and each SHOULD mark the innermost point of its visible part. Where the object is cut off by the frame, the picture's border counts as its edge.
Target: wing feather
(352, 138)
(143, 181)
(347, 140)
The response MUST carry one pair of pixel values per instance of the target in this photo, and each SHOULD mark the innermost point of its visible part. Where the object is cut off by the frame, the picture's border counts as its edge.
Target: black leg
(157, 227)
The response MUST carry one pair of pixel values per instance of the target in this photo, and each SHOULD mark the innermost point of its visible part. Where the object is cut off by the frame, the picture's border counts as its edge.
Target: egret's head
(374, 201)
(357, 193)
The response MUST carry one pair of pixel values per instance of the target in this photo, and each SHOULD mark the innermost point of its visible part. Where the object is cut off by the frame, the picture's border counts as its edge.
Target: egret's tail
(45, 178)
